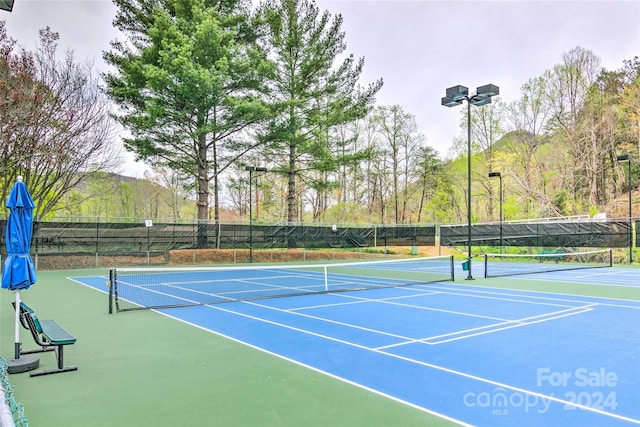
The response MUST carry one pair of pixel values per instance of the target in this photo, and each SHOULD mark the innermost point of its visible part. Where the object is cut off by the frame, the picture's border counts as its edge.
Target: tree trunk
(292, 213)
(203, 192)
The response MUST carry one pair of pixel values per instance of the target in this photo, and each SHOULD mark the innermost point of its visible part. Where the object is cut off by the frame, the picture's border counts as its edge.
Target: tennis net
(154, 288)
(499, 265)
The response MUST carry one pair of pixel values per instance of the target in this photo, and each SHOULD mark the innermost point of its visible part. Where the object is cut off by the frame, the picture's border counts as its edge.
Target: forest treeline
(274, 94)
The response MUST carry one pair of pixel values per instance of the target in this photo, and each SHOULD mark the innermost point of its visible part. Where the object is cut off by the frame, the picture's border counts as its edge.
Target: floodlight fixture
(479, 101)
(487, 91)
(450, 102)
(6, 5)
(458, 93)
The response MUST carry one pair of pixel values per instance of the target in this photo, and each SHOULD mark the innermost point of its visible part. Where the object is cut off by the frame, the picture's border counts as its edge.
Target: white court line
(362, 300)
(440, 310)
(335, 322)
(436, 367)
(464, 293)
(425, 340)
(390, 301)
(517, 323)
(333, 304)
(613, 277)
(525, 294)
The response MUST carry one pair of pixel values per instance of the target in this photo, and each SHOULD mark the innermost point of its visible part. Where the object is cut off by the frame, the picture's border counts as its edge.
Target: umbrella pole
(17, 325)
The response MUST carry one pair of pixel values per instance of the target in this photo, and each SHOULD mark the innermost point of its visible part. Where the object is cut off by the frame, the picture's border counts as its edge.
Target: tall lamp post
(455, 96)
(627, 158)
(493, 175)
(251, 170)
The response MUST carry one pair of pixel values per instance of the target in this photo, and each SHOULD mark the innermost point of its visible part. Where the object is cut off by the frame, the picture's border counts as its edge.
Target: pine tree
(188, 81)
(310, 94)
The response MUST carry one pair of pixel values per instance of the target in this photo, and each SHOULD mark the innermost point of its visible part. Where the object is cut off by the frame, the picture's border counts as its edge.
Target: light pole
(627, 158)
(493, 175)
(455, 96)
(251, 170)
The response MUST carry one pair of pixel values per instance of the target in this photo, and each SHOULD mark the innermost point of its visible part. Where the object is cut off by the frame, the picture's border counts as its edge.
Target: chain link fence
(151, 240)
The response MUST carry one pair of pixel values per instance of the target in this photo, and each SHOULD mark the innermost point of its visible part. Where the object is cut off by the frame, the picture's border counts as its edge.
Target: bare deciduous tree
(55, 120)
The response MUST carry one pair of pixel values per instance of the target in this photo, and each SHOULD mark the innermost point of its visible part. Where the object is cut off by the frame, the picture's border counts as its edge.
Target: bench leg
(60, 361)
(53, 371)
(59, 356)
(40, 350)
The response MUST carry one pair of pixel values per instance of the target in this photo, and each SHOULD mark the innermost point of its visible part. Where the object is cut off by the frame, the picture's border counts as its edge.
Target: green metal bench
(558, 252)
(49, 335)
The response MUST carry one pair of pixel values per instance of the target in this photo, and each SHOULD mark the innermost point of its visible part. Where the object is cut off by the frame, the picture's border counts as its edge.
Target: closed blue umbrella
(18, 271)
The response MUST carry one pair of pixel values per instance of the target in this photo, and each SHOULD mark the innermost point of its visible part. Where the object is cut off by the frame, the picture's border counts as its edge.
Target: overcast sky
(418, 47)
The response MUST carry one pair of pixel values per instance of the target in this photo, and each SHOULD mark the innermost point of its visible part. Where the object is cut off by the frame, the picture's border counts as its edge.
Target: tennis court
(558, 348)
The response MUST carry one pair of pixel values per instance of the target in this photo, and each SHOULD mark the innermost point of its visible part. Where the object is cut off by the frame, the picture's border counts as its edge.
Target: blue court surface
(472, 354)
